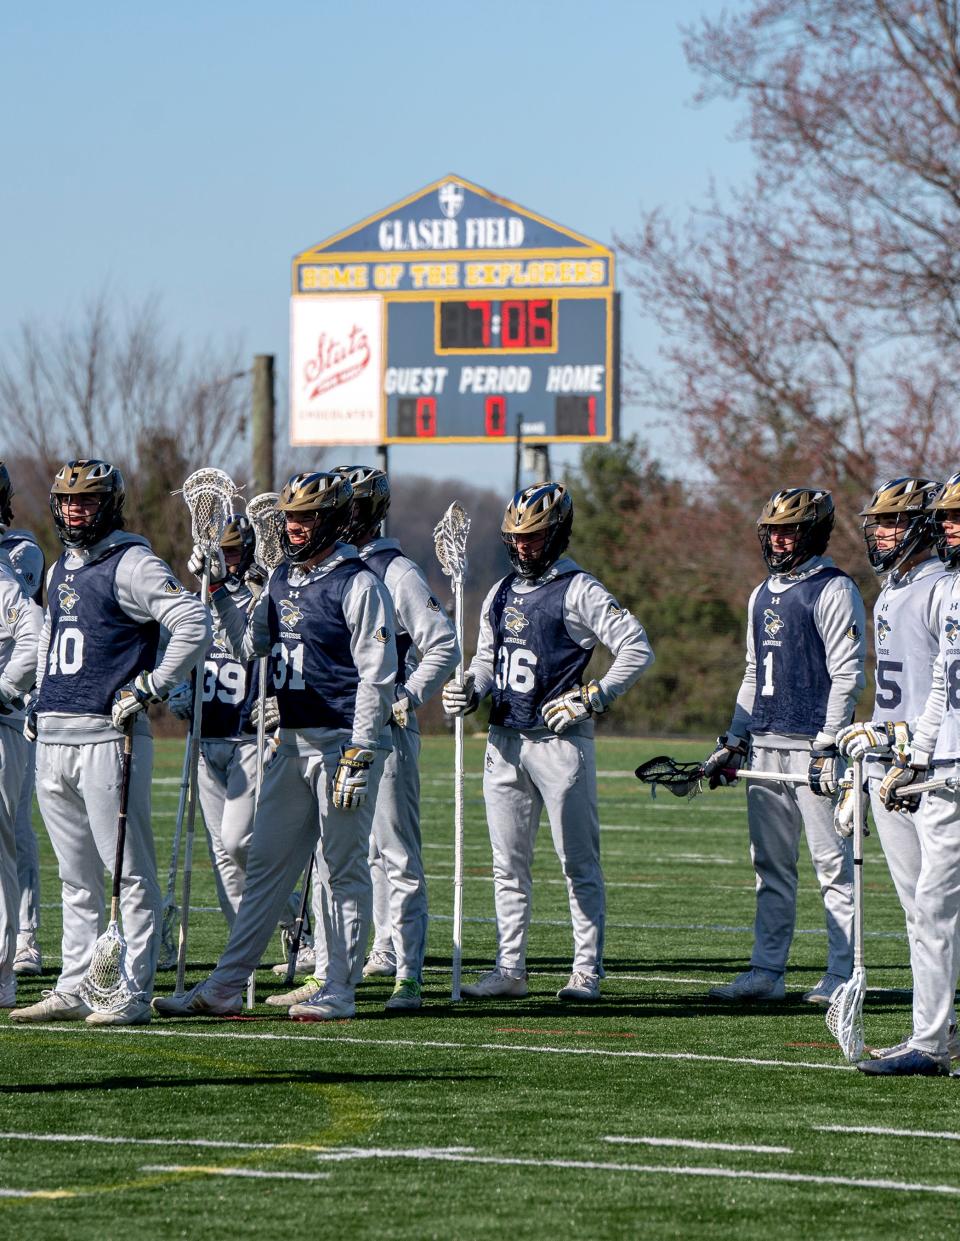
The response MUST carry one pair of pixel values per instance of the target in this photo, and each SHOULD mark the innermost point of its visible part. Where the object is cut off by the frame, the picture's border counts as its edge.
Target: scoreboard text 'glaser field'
(446, 318)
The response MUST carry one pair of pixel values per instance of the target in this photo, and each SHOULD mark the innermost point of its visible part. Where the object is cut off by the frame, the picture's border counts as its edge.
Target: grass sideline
(656, 1113)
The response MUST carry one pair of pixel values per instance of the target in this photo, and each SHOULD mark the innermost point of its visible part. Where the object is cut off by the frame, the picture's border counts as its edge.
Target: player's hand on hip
(859, 740)
(30, 726)
(351, 777)
(722, 765)
(198, 559)
(573, 706)
(129, 701)
(400, 711)
(907, 768)
(271, 714)
(180, 701)
(460, 697)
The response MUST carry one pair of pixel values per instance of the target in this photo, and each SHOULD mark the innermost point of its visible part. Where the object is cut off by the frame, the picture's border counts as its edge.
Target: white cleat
(135, 1012)
(310, 987)
(199, 1001)
(306, 962)
(28, 959)
(581, 987)
(407, 996)
(325, 1005)
(8, 993)
(496, 983)
(825, 990)
(55, 1006)
(751, 985)
(380, 965)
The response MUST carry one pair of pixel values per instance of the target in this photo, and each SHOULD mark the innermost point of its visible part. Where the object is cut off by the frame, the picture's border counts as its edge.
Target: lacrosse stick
(951, 783)
(685, 779)
(170, 914)
(845, 1014)
(295, 940)
(105, 986)
(450, 541)
(207, 494)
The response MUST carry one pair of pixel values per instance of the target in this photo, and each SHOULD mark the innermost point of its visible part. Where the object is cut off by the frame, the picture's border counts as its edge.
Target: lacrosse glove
(859, 740)
(843, 823)
(907, 768)
(218, 566)
(460, 697)
(350, 778)
(575, 705)
(30, 726)
(271, 715)
(400, 711)
(132, 699)
(823, 773)
(180, 701)
(722, 765)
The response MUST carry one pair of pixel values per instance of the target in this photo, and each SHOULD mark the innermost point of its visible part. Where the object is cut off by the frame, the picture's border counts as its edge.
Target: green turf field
(657, 1113)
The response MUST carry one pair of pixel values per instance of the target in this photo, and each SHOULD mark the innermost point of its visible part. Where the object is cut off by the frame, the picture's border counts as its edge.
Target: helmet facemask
(323, 497)
(945, 506)
(238, 534)
(371, 500)
(83, 480)
(810, 513)
(545, 508)
(899, 506)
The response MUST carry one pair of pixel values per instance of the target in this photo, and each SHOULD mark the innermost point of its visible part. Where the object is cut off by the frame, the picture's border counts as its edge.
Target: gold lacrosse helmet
(900, 504)
(543, 508)
(91, 477)
(238, 533)
(946, 499)
(371, 499)
(325, 497)
(807, 508)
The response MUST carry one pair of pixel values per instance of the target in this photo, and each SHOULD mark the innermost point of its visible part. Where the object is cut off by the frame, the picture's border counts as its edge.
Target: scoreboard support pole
(383, 463)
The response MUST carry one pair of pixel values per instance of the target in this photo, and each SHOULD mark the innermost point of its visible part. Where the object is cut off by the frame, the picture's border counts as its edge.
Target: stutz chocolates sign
(335, 370)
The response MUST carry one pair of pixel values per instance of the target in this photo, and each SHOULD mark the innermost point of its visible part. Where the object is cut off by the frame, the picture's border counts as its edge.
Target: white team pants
(294, 817)
(28, 852)
(14, 754)
(78, 788)
(228, 784)
(777, 815)
(937, 918)
(521, 777)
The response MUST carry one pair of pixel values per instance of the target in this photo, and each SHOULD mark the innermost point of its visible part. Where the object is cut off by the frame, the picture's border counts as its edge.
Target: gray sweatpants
(28, 852)
(294, 817)
(13, 762)
(227, 782)
(78, 788)
(777, 816)
(521, 777)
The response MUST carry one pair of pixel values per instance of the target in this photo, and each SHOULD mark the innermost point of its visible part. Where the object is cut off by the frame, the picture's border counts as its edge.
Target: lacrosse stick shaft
(458, 804)
(926, 786)
(298, 925)
(261, 744)
(178, 830)
(125, 766)
(775, 777)
(859, 815)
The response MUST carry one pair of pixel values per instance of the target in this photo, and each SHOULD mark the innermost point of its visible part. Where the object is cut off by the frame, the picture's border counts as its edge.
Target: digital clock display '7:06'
(517, 325)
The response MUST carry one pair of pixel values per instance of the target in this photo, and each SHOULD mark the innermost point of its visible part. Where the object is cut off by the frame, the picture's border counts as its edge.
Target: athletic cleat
(825, 990)
(28, 959)
(909, 1063)
(753, 984)
(199, 1001)
(380, 965)
(881, 1053)
(55, 1006)
(325, 1005)
(406, 996)
(310, 987)
(8, 993)
(135, 1012)
(580, 987)
(496, 983)
(306, 962)
(953, 1043)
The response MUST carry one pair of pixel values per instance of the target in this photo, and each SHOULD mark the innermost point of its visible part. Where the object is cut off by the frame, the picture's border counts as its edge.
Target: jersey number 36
(515, 669)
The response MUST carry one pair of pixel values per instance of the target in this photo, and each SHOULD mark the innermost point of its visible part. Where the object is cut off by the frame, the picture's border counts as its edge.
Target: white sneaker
(310, 987)
(581, 986)
(28, 959)
(135, 1012)
(825, 990)
(752, 984)
(199, 1001)
(380, 965)
(406, 996)
(953, 1043)
(325, 1005)
(306, 962)
(55, 1006)
(496, 983)
(881, 1053)
(8, 993)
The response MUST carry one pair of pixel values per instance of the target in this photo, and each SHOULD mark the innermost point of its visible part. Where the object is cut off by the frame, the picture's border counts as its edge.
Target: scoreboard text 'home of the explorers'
(447, 318)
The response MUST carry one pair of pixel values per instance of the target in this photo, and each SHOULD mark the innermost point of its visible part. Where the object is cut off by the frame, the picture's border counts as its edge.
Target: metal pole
(518, 454)
(383, 463)
(263, 415)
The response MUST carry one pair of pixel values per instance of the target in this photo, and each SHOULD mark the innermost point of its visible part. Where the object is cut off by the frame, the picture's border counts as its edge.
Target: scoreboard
(454, 316)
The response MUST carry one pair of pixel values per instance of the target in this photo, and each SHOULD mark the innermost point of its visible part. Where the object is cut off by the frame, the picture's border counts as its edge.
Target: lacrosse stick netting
(267, 521)
(845, 1014)
(681, 779)
(450, 541)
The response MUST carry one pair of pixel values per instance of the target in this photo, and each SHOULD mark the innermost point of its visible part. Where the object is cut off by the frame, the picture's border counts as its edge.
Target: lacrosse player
(804, 673)
(22, 551)
(933, 750)
(327, 623)
(427, 652)
(900, 537)
(108, 597)
(538, 628)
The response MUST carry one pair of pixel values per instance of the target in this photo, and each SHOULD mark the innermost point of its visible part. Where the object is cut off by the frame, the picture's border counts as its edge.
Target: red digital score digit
(426, 417)
(526, 324)
(495, 415)
(484, 308)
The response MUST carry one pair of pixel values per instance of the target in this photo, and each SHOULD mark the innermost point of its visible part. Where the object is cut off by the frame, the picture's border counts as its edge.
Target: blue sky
(189, 150)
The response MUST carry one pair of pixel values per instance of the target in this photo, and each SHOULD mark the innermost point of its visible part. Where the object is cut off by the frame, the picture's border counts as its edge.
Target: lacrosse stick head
(845, 1016)
(208, 494)
(450, 541)
(681, 779)
(169, 932)
(268, 527)
(105, 986)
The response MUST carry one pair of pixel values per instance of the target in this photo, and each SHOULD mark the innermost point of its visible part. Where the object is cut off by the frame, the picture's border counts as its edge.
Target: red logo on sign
(336, 361)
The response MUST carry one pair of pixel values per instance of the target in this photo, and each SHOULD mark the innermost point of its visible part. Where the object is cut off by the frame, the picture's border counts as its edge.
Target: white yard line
(37, 1193)
(882, 1132)
(112, 1140)
(247, 1173)
(691, 1144)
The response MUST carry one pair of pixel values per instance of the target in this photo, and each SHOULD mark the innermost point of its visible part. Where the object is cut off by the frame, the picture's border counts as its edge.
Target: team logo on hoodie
(68, 597)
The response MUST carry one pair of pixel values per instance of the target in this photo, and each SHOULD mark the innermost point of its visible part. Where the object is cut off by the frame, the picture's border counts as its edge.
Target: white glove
(906, 769)
(218, 566)
(180, 701)
(576, 704)
(30, 726)
(132, 699)
(859, 740)
(459, 697)
(401, 711)
(823, 773)
(350, 778)
(271, 714)
(722, 765)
